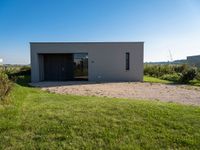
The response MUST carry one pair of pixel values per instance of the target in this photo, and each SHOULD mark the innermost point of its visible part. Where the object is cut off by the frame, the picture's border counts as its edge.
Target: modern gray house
(92, 61)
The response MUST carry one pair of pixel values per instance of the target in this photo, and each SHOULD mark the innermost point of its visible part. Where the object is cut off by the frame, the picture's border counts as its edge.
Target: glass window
(81, 66)
(127, 61)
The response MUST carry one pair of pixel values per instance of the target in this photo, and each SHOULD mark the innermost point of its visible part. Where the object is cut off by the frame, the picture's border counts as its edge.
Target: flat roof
(85, 42)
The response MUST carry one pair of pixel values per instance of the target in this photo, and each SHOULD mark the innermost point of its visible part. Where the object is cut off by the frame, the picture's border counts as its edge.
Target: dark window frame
(127, 61)
(80, 61)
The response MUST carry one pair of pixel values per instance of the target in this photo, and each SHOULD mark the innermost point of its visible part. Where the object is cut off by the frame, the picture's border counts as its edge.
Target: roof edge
(85, 42)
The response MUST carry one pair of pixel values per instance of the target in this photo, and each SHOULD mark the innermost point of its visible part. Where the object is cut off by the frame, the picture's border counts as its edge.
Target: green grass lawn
(195, 82)
(156, 80)
(35, 119)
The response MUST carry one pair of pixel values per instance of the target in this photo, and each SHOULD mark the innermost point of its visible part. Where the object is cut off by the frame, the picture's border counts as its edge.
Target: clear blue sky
(162, 24)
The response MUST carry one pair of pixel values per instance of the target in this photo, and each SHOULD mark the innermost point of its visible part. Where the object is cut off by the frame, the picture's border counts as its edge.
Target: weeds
(5, 86)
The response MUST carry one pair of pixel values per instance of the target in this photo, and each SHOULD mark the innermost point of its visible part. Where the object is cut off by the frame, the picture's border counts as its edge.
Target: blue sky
(162, 24)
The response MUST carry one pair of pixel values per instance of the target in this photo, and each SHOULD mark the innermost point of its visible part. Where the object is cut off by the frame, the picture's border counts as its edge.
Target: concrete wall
(106, 60)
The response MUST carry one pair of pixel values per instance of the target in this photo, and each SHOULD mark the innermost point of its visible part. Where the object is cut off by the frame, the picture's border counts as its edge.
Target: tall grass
(5, 86)
(8, 75)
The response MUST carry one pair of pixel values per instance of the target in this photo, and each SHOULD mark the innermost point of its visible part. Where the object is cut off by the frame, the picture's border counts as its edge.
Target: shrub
(181, 68)
(198, 75)
(158, 70)
(188, 75)
(171, 77)
(25, 70)
(14, 72)
(177, 73)
(5, 86)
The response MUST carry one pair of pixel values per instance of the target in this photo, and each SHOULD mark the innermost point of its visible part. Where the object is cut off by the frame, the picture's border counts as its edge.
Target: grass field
(195, 82)
(35, 119)
(156, 80)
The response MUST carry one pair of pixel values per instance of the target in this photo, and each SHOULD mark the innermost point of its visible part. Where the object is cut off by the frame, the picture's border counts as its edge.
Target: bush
(198, 75)
(14, 72)
(181, 68)
(188, 75)
(5, 86)
(25, 70)
(177, 73)
(172, 77)
(158, 70)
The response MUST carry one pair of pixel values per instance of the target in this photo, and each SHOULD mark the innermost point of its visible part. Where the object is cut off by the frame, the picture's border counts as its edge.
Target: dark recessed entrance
(65, 67)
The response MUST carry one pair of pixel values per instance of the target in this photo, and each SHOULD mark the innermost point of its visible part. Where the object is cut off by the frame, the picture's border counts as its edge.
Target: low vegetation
(156, 80)
(11, 74)
(5, 86)
(175, 73)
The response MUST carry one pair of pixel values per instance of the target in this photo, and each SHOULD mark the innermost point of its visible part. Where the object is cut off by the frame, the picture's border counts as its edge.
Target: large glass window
(81, 66)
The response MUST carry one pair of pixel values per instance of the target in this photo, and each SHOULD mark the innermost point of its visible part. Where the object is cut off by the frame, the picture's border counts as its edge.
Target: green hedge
(177, 73)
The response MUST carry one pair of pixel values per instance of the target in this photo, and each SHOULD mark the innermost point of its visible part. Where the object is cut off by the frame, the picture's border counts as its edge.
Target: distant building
(194, 60)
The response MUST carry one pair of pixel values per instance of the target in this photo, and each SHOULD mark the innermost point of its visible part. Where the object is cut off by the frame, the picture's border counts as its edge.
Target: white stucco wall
(106, 60)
